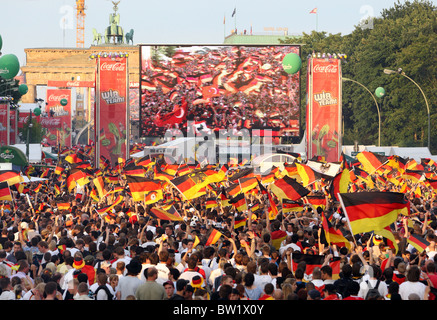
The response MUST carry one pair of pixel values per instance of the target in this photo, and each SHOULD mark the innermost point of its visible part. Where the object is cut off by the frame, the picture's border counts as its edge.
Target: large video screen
(216, 87)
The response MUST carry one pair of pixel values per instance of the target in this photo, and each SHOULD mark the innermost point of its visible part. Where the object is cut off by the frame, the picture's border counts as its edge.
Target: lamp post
(399, 71)
(376, 103)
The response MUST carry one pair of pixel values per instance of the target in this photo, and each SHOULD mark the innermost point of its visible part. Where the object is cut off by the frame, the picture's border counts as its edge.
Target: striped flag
(314, 260)
(186, 186)
(418, 242)
(339, 184)
(153, 196)
(369, 211)
(11, 177)
(288, 188)
(239, 202)
(63, 206)
(371, 161)
(170, 214)
(333, 235)
(277, 237)
(211, 203)
(240, 222)
(100, 186)
(307, 174)
(213, 237)
(138, 186)
(5, 192)
(291, 206)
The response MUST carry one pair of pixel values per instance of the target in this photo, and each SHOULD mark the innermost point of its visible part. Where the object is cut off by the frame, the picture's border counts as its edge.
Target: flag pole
(347, 218)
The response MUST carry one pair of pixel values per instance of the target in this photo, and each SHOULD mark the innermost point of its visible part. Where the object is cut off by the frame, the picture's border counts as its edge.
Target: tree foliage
(403, 36)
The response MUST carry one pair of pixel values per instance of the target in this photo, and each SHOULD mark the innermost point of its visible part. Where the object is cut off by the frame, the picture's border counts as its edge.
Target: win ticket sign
(324, 109)
(57, 124)
(112, 112)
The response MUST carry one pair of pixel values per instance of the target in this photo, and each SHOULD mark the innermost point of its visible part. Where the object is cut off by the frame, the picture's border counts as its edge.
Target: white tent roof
(34, 151)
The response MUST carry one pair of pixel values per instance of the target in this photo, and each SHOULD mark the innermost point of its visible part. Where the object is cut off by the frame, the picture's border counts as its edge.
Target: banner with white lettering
(13, 127)
(112, 109)
(57, 121)
(323, 126)
(4, 125)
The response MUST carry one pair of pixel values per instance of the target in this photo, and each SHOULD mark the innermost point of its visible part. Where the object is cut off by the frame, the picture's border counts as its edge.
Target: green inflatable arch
(12, 155)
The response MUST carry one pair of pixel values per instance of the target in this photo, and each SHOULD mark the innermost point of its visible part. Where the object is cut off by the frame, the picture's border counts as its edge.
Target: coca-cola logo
(330, 68)
(113, 66)
(57, 98)
(73, 84)
(51, 122)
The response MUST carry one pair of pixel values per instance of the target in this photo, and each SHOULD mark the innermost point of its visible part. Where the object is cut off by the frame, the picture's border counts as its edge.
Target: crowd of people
(248, 89)
(49, 252)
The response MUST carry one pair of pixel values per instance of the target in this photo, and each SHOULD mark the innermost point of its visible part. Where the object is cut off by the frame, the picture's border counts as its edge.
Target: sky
(52, 23)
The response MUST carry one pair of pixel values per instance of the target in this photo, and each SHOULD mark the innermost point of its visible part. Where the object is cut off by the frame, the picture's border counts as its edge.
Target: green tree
(403, 36)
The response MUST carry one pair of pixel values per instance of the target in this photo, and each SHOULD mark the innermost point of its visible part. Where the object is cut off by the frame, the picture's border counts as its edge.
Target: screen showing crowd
(209, 88)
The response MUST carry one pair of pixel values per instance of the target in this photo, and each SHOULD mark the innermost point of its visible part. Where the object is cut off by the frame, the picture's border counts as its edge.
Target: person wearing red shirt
(330, 292)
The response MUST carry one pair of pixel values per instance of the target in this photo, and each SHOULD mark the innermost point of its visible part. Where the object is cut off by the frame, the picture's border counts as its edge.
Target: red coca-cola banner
(23, 118)
(4, 125)
(13, 127)
(57, 122)
(324, 109)
(112, 112)
(71, 84)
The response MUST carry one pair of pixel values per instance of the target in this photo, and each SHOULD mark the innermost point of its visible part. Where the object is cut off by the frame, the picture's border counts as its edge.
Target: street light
(388, 71)
(377, 107)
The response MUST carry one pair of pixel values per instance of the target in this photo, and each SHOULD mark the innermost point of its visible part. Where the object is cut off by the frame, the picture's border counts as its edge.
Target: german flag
(75, 158)
(239, 202)
(111, 179)
(100, 186)
(134, 170)
(244, 173)
(138, 186)
(186, 186)
(183, 170)
(76, 176)
(240, 222)
(332, 235)
(171, 214)
(145, 162)
(369, 211)
(288, 188)
(317, 201)
(59, 169)
(314, 260)
(431, 183)
(418, 242)
(224, 199)
(38, 188)
(57, 189)
(414, 175)
(339, 184)
(45, 173)
(153, 196)
(63, 205)
(307, 174)
(104, 163)
(291, 206)
(213, 237)
(159, 175)
(277, 237)
(248, 184)
(211, 203)
(233, 189)
(371, 161)
(5, 192)
(11, 177)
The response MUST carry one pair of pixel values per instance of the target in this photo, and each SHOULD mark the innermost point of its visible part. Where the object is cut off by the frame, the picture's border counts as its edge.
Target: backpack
(373, 292)
(108, 293)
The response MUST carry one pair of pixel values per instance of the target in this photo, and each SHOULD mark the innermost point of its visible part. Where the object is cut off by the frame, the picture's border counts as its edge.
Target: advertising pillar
(324, 109)
(111, 114)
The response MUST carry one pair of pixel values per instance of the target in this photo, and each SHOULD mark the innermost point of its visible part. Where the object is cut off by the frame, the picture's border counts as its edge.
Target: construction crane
(80, 23)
